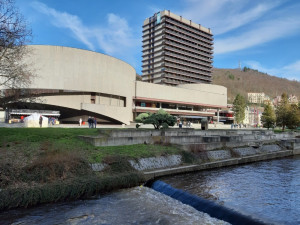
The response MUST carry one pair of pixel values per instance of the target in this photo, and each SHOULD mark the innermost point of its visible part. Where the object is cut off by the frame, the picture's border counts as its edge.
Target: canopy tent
(33, 121)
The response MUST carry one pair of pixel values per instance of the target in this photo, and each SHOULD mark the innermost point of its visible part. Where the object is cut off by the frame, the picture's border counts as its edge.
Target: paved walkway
(195, 126)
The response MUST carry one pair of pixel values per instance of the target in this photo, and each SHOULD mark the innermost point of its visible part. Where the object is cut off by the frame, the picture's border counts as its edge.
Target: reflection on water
(139, 205)
(267, 190)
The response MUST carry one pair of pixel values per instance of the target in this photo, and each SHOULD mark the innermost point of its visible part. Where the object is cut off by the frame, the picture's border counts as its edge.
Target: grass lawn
(48, 154)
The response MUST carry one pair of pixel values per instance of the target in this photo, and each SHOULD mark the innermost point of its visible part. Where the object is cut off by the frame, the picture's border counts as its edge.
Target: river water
(139, 205)
(269, 191)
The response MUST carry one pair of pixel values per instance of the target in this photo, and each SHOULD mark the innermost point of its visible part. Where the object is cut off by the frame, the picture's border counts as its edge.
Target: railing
(186, 53)
(188, 59)
(187, 69)
(189, 49)
(202, 33)
(174, 110)
(187, 64)
(209, 42)
(188, 38)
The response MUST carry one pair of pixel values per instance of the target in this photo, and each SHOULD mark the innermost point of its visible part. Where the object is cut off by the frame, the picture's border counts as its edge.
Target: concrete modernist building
(80, 83)
(176, 50)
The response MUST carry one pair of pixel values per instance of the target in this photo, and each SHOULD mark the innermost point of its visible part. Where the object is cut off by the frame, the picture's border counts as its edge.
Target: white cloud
(114, 38)
(226, 15)
(291, 71)
(261, 33)
(65, 20)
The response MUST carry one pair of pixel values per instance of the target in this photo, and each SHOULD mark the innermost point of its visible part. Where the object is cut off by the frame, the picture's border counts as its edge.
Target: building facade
(176, 50)
(80, 83)
(258, 98)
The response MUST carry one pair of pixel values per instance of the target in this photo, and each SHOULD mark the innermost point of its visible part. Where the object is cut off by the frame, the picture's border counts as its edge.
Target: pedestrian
(95, 122)
(89, 121)
(80, 122)
(41, 121)
(92, 122)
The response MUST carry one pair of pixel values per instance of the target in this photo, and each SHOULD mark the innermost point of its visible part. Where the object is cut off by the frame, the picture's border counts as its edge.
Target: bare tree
(15, 74)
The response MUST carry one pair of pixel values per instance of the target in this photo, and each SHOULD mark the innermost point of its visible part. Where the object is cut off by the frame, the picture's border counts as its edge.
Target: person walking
(95, 122)
(41, 121)
(90, 122)
(80, 122)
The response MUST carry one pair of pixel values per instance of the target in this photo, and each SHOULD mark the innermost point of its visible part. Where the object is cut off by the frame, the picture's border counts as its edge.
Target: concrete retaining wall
(231, 138)
(210, 165)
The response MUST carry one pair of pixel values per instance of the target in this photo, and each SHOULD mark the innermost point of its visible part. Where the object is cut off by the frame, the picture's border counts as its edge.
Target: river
(269, 191)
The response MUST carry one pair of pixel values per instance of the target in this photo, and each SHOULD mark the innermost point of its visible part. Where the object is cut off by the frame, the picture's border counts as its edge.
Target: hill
(249, 80)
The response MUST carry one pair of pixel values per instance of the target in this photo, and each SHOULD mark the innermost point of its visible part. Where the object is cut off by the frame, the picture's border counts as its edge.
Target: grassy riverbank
(52, 164)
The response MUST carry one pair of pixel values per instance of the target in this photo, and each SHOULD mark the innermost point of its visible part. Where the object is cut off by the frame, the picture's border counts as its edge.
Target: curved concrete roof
(76, 70)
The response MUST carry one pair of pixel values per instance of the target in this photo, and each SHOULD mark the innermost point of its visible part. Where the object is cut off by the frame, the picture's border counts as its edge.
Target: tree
(239, 105)
(159, 119)
(282, 111)
(287, 115)
(15, 75)
(268, 118)
(294, 117)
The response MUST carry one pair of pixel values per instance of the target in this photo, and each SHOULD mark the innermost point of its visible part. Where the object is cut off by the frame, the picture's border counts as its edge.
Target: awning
(194, 117)
(30, 113)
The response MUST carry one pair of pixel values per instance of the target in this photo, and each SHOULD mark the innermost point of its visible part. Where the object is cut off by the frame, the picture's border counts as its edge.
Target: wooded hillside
(241, 82)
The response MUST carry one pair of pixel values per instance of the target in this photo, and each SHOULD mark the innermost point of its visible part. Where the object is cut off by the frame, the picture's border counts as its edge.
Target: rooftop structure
(176, 50)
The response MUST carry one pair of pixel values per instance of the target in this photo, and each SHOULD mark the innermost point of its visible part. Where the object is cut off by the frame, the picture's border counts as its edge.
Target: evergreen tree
(160, 119)
(268, 118)
(283, 112)
(239, 105)
(293, 117)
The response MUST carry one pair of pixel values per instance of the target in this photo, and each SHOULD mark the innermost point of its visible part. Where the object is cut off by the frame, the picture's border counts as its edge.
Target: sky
(260, 34)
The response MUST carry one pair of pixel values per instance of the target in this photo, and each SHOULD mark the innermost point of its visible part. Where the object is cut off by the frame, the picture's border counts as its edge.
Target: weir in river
(267, 191)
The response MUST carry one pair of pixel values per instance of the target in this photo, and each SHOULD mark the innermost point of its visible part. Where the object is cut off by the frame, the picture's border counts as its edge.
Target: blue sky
(260, 34)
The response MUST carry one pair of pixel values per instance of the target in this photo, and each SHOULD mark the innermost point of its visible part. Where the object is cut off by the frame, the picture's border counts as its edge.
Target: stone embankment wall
(215, 148)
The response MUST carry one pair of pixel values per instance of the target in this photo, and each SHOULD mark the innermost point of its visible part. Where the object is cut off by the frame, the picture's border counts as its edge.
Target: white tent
(33, 120)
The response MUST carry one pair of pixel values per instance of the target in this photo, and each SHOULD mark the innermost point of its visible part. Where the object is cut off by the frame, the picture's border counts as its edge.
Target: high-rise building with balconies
(176, 50)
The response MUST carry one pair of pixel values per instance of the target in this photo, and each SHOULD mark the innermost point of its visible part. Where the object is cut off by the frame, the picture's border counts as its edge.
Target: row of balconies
(188, 28)
(182, 68)
(189, 59)
(181, 78)
(177, 110)
(146, 32)
(170, 48)
(185, 48)
(190, 40)
(179, 40)
(198, 40)
(156, 38)
(158, 52)
(148, 56)
(193, 36)
(196, 76)
(152, 44)
(181, 62)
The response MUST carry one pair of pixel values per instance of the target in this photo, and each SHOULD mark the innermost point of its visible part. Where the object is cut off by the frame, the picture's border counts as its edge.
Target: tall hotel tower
(176, 50)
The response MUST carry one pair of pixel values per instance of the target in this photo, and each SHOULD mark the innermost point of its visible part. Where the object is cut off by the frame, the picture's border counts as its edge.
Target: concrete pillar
(160, 105)
(218, 115)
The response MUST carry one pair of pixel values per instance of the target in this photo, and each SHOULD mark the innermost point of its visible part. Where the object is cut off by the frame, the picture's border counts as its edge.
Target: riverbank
(50, 165)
